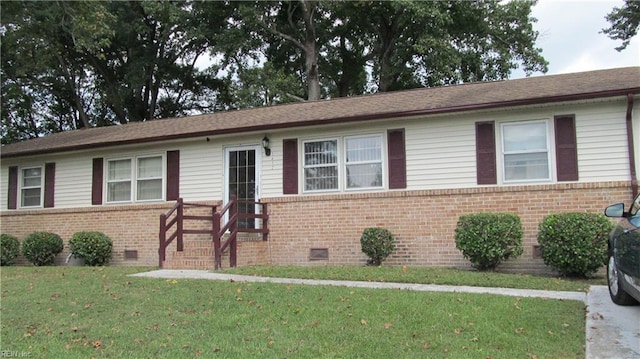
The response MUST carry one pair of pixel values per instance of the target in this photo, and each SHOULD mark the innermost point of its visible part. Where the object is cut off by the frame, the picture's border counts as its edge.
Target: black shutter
(486, 153)
(173, 175)
(566, 148)
(96, 182)
(397, 159)
(49, 184)
(290, 166)
(12, 199)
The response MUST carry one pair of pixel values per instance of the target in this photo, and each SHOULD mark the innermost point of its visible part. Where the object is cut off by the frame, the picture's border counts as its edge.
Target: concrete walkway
(612, 332)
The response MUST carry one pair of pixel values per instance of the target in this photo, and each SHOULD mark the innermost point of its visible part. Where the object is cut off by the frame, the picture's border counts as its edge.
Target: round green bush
(10, 249)
(94, 247)
(487, 239)
(575, 244)
(41, 248)
(377, 244)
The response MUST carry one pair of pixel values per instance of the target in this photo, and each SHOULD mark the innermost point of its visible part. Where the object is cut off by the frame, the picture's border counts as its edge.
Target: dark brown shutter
(566, 148)
(96, 183)
(397, 159)
(486, 153)
(290, 166)
(12, 199)
(49, 184)
(173, 175)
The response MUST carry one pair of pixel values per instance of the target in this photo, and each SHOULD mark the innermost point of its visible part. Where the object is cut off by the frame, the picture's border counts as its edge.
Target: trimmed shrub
(377, 244)
(487, 239)
(94, 247)
(41, 248)
(575, 244)
(10, 247)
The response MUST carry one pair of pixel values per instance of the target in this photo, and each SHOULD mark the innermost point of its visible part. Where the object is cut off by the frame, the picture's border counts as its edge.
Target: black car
(623, 266)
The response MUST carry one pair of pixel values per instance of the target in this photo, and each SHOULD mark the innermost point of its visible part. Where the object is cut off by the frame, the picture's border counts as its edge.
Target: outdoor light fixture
(265, 145)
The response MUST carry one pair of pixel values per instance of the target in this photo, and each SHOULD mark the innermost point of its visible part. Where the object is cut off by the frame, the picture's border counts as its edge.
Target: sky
(570, 38)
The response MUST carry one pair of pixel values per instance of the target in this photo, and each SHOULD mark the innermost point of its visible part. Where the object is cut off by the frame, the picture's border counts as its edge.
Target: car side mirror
(615, 210)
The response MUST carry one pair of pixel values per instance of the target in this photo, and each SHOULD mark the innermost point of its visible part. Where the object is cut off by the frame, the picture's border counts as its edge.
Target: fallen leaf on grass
(363, 322)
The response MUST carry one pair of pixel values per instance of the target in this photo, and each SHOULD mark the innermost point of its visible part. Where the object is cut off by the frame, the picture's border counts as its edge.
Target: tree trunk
(310, 52)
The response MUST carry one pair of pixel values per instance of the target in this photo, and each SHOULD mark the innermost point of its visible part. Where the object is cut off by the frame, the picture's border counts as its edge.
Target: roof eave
(359, 118)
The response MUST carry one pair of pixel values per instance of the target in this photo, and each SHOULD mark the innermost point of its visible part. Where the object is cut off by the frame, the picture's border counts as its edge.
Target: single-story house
(409, 161)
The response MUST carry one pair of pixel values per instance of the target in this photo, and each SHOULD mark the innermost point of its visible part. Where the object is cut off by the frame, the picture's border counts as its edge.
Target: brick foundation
(422, 221)
(131, 228)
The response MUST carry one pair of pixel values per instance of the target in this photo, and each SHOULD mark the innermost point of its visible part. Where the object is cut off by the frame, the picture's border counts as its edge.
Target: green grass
(84, 312)
(423, 275)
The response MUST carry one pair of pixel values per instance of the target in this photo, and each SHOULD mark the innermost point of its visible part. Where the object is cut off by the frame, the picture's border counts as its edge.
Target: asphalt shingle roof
(465, 97)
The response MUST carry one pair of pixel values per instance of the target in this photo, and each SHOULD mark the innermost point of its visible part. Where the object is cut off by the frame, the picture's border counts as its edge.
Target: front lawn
(83, 312)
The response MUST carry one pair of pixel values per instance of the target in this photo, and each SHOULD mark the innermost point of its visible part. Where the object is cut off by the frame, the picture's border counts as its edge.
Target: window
(146, 181)
(363, 162)
(119, 181)
(321, 165)
(149, 178)
(525, 147)
(31, 187)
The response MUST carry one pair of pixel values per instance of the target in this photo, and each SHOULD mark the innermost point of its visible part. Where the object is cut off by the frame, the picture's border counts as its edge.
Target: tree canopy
(67, 65)
(625, 22)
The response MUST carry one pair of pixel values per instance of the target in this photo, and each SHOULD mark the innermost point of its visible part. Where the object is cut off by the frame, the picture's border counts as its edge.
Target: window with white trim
(145, 181)
(321, 165)
(31, 187)
(363, 162)
(149, 179)
(525, 151)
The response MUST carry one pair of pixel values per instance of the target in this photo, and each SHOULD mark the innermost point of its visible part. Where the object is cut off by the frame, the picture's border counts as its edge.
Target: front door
(241, 180)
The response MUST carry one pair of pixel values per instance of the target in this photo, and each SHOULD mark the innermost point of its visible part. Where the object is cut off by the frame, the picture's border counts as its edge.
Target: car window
(635, 206)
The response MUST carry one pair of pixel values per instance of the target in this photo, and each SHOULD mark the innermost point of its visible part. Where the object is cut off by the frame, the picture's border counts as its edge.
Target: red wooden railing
(176, 217)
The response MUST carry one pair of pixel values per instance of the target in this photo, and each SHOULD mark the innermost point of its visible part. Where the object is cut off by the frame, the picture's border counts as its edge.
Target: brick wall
(133, 227)
(422, 221)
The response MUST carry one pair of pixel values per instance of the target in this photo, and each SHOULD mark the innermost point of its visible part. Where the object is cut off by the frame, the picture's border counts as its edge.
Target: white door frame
(258, 155)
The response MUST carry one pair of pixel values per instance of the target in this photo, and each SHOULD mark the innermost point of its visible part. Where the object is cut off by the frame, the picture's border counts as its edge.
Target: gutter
(630, 146)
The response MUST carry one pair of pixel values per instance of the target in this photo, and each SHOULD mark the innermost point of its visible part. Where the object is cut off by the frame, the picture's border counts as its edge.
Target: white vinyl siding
(31, 187)
(73, 182)
(601, 134)
(201, 171)
(440, 152)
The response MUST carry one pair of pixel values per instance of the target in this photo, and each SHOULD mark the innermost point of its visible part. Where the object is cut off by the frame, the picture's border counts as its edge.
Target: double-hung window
(149, 179)
(363, 162)
(141, 176)
(321, 165)
(119, 180)
(31, 187)
(525, 148)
